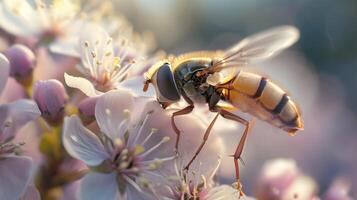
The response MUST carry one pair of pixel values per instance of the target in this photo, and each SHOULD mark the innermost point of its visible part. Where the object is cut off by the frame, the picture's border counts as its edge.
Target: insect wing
(256, 47)
(263, 45)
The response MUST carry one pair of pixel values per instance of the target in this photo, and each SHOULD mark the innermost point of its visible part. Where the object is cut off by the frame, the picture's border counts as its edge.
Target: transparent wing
(259, 46)
(263, 45)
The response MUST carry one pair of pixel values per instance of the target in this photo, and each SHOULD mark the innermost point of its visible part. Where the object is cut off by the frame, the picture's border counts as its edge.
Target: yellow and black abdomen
(265, 100)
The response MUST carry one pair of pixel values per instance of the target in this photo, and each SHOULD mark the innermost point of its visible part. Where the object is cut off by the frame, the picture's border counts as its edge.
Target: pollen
(93, 54)
(126, 114)
(108, 112)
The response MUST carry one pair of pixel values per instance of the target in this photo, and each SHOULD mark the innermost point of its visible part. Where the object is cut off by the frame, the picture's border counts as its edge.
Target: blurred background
(319, 72)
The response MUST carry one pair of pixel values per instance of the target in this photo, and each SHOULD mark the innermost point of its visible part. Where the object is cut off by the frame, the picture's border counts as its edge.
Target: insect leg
(239, 150)
(184, 111)
(205, 137)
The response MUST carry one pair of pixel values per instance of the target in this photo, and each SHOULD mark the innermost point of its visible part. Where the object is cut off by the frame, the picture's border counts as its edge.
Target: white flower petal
(4, 71)
(136, 85)
(63, 10)
(95, 45)
(101, 186)
(224, 192)
(81, 143)
(191, 137)
(304, 187)
(82, 84)
(14, 115)
(111, 112)
(66, 46)
(12, 17)
(15, 174)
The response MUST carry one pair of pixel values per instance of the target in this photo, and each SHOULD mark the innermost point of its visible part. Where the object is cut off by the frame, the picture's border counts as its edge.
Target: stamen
(91, 67)
(123, 165)
(126, 113)
(147, 162)
(109, 41)
(118, 142)
(109, 53)
(7, 123)
(108, 112)
(123, 126)
(143, 182)
(163, 140)
(138, 150)
(131, 170)
(118, 75)
(153, 130)
(99, 62)
(216, 169)
(141, 129)
(154, 165)
(93, 54)
(204, 182)
(131, 182)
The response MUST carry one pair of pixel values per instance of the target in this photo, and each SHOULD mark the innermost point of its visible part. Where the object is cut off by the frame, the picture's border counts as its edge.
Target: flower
(338, 190)
(15, 170)
(51, 96)
(15, 174)
(53, 24)
(22, 62)
(86, 108)
(16, 114)
(127, 153)
(198, 184)
(102, 68)
(281, 179)
(223, 192)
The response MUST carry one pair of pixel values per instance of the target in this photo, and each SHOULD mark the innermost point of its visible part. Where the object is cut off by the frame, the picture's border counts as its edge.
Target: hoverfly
(208, 77)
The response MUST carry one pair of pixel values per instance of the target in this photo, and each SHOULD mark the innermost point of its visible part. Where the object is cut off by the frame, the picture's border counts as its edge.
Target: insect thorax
(191, 86)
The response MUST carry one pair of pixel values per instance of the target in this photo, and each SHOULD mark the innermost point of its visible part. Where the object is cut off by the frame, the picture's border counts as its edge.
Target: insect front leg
(184, 111)
(205, 137)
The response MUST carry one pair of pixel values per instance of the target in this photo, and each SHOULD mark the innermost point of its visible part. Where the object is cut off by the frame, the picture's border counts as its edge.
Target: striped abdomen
(265, 100)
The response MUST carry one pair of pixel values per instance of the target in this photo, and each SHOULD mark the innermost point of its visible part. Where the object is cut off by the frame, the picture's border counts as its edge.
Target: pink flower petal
(15, 173)
(112, 112)
(14, 115)
(96, 186)
(81, 143)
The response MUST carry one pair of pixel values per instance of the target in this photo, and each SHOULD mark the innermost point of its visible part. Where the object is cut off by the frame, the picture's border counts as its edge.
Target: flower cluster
(74, 78)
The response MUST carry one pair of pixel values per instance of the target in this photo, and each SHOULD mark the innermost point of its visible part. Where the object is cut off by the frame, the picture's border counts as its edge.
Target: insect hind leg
(239, 150)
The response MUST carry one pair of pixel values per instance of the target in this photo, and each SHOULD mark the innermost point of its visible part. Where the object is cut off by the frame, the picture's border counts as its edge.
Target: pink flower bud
(22, 62)
(339, 190)
(276, 177)
(51, 96)
(86, 109)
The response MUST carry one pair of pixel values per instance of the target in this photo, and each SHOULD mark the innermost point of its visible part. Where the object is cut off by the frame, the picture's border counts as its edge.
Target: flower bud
(22, 62)
(51, 96)
(339, 190)
(86, 109)
(276, 177)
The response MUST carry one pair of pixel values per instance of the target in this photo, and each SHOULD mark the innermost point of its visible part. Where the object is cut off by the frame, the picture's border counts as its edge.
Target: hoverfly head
(162, 78)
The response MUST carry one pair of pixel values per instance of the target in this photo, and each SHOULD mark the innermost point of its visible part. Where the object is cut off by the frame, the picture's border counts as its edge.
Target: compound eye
(166, 85)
